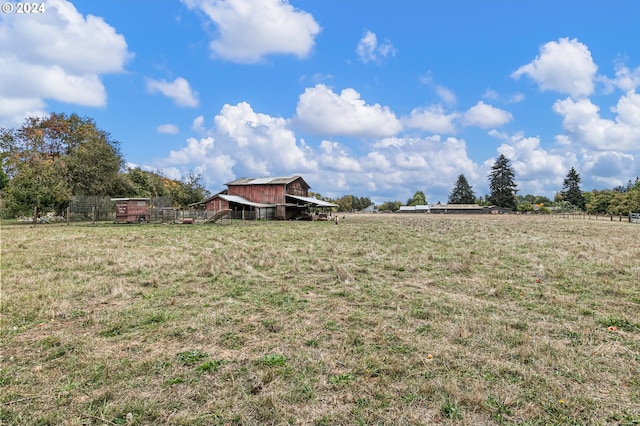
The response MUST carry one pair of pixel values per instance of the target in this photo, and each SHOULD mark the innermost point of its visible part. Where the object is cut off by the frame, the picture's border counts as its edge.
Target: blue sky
(372, 98)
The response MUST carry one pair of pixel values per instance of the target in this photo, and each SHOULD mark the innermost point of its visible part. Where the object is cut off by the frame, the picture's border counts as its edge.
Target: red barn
(265, 198)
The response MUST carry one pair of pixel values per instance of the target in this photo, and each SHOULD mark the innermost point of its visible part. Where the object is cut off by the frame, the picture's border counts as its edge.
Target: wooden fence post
(68, 215)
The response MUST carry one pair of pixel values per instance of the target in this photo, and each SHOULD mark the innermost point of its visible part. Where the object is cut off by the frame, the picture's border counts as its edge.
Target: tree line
(49, 161)
(504, 193)
(346, 203)
(501, 182)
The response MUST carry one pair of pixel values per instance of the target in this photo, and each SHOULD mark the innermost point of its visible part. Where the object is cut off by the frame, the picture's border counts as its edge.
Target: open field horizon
(383, 319)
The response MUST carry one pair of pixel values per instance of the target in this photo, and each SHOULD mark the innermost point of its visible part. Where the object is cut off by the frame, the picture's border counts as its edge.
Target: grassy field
(388, 319)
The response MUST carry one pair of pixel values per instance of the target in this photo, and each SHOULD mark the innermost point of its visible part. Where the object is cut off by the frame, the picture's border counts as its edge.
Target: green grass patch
(273, 360)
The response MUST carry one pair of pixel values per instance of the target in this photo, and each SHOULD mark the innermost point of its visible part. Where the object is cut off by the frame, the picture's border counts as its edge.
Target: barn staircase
(217, 216)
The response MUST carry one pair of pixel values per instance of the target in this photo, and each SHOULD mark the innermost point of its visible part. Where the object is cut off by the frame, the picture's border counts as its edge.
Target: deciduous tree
(189, 190)
(418, 199)
(93, 167)
(390, 206)
(40, 184)
(51, 159)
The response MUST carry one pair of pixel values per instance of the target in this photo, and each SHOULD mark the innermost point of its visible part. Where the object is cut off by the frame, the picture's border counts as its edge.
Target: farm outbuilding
(453, 209)
(266, 198)
(414, 209)
(131, 210)
(459, 209)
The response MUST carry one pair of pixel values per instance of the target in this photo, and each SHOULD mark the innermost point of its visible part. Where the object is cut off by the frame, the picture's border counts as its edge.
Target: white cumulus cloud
(536, 168)
(201, 155)
(259, 142)
(13, 111)
(609, 168)
(627, 79)
(584, 125)
(430, 164)
(59, 55)
(179, 90)
(369, 50)
(248, 30)
(324, 112)
(242, 142)
(486, 116)
(432, 119)
(564, 66)
(335, 157)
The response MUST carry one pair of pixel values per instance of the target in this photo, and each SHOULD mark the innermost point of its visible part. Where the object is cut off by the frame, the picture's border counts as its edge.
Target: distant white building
(452, 209)
(415, 209)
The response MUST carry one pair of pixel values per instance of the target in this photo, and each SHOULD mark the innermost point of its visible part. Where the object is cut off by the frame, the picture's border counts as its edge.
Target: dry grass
(387, 319)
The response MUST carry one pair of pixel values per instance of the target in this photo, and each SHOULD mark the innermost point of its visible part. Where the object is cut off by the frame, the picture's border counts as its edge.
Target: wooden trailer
(131, 210)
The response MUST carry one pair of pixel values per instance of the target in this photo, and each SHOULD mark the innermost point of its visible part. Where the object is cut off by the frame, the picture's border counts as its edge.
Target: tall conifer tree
(502, 184)
(462, 193)
(571, 191)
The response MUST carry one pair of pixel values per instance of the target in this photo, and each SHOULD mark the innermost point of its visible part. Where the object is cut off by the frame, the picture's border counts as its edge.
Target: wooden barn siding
(297, 188)
(281, 212)
(267, 194)
(217, 204)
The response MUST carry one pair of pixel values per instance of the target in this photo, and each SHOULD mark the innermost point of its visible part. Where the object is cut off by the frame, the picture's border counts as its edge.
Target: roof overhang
(240, 200)
(312, 201)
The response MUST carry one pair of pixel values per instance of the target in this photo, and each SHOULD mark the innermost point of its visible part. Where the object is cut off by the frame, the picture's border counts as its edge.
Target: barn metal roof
(284, 180)
(314, 201)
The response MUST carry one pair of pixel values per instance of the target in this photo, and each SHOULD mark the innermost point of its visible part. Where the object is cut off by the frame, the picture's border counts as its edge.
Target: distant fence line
(103, 209)
(98, 208)
(631, 217)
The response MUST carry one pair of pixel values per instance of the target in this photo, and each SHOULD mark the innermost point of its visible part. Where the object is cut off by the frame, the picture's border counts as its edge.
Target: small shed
(131, 210)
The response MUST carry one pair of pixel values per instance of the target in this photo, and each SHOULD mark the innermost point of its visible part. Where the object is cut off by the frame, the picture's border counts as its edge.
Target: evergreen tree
(571, 191)
(462, 193)
(502, 184)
